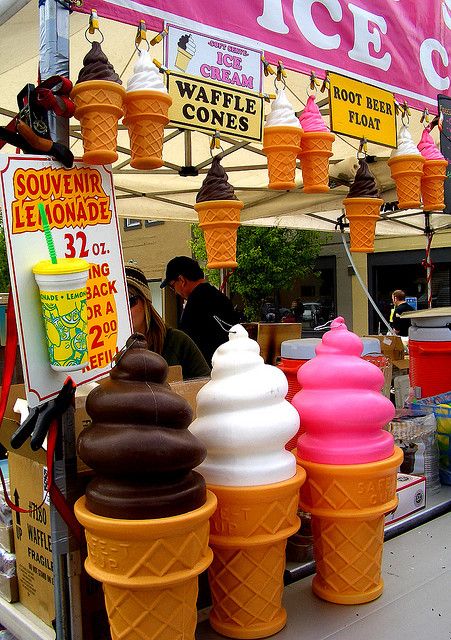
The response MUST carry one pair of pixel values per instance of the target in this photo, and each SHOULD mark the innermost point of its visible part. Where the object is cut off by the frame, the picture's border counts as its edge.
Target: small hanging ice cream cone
(316, 149)
(281, 137)
(146, 108)
(362, 208)
(98, 96)
(434, 174)
(219, 217)
(406, 166)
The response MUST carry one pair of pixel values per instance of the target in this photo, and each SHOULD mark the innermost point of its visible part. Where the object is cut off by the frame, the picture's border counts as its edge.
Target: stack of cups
(351, 466)
(244, 421)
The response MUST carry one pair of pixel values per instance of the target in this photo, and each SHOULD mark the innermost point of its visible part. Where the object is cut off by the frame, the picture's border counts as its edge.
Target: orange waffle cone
(98, 106)
(406, 171)
(348, 504)
(316, 149)
(248, 536)
(149, 570)
(362, 214)
(145, 116)
(219, 220)
(281, 147)
(432, 184)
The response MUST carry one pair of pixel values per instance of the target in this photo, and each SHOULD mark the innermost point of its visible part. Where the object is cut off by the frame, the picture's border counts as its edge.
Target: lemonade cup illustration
(62, 288)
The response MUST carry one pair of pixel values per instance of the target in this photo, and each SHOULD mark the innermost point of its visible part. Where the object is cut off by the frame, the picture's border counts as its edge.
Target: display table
(415, 603)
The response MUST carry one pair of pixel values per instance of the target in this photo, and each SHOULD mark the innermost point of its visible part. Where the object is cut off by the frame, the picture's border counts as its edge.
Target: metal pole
(54, 60)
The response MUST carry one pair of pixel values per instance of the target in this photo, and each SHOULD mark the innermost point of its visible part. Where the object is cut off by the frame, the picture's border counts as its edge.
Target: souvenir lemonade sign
(81, 211)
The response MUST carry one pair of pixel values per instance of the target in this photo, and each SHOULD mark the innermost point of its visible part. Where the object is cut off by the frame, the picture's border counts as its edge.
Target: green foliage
(199, 252)
(269, 259)
(4, 270)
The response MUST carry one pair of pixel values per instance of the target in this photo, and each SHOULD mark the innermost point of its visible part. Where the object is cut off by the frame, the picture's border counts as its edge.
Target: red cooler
(430, 351)
(293, 354)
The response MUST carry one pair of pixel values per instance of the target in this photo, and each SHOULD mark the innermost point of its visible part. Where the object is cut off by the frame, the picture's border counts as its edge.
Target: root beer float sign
(81, 211)
(362, 111)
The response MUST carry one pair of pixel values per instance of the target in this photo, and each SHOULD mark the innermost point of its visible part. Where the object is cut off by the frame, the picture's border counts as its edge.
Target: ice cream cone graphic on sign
(351, 466)
(146, 108)
(98, 96)
(315, 149)
(186, 48)
(219, 217)
(434, 174)
(281, 137)
(362, 208)
(147, 519)
(256, 483)
(406, 166)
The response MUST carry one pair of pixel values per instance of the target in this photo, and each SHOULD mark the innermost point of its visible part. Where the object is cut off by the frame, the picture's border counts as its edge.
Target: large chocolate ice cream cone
(432, 184)
(406, 171)
(145, 116)
(248, 536)
(281, 147)
(98, 107)
(362, 214)
(348, 504)
(219, 220)
(149, 570)
(316, 149)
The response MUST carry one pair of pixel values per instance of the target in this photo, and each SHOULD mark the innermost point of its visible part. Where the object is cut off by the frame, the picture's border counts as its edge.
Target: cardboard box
(9, 588)
(391, 346)
(189, 390)
(411, 492)
(7, 538)
(32, 534)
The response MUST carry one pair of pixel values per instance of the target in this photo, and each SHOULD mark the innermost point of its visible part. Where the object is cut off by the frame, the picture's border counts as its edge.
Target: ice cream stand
(317, 217)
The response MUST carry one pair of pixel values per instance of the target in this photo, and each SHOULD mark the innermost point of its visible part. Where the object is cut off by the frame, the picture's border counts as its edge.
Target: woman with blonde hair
(175, 346)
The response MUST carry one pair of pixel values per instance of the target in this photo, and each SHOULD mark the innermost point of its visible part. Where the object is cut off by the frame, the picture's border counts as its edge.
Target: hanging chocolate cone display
(219, 217)
(315, 150)
(281, 138)
(434, 173)
(362, 208)
(98, 96)
(406, 166)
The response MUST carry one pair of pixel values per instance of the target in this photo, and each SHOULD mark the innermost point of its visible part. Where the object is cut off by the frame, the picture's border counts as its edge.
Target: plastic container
(295, 353)
(430, 354)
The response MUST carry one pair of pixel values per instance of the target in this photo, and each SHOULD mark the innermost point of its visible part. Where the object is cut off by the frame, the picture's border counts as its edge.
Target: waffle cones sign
(362, 111)
(209, 107)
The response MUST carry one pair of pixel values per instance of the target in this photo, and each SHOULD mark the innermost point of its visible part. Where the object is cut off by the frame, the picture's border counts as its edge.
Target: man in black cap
(204, 303)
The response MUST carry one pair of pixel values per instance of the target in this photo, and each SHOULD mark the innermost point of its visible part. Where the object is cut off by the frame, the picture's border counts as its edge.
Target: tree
(269, 259)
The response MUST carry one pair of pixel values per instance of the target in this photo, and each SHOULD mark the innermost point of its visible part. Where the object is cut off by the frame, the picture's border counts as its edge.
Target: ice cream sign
(80, 209)
(213, 59)
(362, 111)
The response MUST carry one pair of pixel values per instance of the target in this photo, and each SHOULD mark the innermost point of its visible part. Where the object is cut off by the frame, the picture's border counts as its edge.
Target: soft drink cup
(62, 287)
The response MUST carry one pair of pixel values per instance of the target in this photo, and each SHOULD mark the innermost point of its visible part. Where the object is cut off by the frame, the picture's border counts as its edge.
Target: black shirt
(401, 325)
(204, 302)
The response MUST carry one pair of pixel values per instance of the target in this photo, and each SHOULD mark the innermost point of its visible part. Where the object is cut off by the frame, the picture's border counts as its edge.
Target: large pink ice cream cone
(434, 174)
(315, 150)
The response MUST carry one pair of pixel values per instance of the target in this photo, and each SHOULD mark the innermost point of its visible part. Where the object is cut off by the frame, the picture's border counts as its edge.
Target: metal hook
(91, 41)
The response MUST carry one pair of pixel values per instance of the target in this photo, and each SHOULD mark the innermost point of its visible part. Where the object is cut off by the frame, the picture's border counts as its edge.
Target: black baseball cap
(182, 266)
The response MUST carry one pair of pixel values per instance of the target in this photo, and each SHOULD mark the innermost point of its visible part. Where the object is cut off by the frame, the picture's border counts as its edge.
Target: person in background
(400, 325)
(175, 346)
(204, 303)
(297, 308)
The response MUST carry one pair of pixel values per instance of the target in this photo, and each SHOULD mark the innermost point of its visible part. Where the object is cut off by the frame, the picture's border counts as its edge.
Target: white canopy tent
(163, 194)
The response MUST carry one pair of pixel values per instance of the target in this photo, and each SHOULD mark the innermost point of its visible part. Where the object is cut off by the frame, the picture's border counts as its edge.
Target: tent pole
(54, 60)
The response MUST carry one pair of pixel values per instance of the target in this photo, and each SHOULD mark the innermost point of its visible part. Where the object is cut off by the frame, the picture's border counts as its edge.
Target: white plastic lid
(299, 349)
(429, 334)
(370, 345)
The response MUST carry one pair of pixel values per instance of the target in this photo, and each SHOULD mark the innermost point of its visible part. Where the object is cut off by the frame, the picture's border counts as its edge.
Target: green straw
(47, 233)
